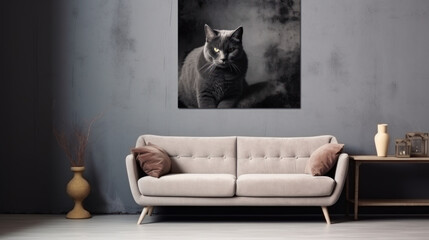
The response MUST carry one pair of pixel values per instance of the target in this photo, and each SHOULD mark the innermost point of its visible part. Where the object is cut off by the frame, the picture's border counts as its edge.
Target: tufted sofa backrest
(276, 155)
(237, 155)
(197, 154)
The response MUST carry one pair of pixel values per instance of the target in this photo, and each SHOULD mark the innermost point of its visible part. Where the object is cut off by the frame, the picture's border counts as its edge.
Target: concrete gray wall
(363, 62)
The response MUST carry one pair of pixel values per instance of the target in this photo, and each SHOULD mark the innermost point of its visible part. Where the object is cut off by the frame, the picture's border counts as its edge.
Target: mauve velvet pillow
(153, 160)
(323, 159)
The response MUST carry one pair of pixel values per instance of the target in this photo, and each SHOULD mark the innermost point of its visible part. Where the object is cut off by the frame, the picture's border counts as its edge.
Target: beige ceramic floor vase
(78, 189)
(381, 140)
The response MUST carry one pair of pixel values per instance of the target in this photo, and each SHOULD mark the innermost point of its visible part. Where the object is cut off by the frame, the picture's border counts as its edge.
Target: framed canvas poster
(239, 54)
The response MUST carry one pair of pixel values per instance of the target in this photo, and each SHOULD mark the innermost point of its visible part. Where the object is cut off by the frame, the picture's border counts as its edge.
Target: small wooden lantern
(402, 147)
(419, 144)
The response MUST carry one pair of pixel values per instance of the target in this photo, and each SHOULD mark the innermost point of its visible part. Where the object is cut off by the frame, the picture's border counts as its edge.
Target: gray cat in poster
(213, 75)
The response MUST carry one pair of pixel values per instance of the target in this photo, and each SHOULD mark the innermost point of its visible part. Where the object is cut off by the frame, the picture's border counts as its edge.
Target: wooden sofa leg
(326, 214)
(150, 211)
(144, 213)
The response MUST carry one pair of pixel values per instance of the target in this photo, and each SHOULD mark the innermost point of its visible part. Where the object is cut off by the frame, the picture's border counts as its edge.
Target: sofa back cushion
(276, 155)
(197, 154)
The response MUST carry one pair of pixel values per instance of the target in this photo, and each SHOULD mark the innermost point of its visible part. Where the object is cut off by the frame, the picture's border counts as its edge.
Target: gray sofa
(236, 171)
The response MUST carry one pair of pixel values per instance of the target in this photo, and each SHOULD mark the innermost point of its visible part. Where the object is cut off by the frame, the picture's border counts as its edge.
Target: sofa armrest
(133, 176)
(340, 177)
(342, 168)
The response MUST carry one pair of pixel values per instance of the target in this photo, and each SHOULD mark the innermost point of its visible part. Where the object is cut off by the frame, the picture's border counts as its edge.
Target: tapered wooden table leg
(356, 202)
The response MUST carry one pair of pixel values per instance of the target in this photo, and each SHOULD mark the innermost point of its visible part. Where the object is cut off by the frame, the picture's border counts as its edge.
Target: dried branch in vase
(75, 148)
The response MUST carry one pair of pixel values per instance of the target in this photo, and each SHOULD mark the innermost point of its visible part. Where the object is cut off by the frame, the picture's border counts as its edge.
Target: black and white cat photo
(213, 75)
(239, 54)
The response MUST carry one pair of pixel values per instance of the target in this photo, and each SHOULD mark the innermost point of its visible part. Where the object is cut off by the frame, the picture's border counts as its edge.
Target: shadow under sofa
(236, 171)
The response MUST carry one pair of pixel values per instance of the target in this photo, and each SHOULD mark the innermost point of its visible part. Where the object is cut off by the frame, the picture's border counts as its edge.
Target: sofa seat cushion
(188, 185)
(284, 185)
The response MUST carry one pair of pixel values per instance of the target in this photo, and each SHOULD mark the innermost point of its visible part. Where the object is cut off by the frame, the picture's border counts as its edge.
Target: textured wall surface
(363, 62)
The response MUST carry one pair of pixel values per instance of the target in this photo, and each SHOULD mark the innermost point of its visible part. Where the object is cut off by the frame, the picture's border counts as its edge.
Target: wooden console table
(361, 159)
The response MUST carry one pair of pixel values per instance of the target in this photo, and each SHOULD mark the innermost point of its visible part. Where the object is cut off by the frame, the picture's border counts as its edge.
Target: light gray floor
(16, 226)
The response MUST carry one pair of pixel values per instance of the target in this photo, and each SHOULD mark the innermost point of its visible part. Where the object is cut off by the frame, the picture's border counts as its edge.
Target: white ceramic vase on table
(381, 140)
